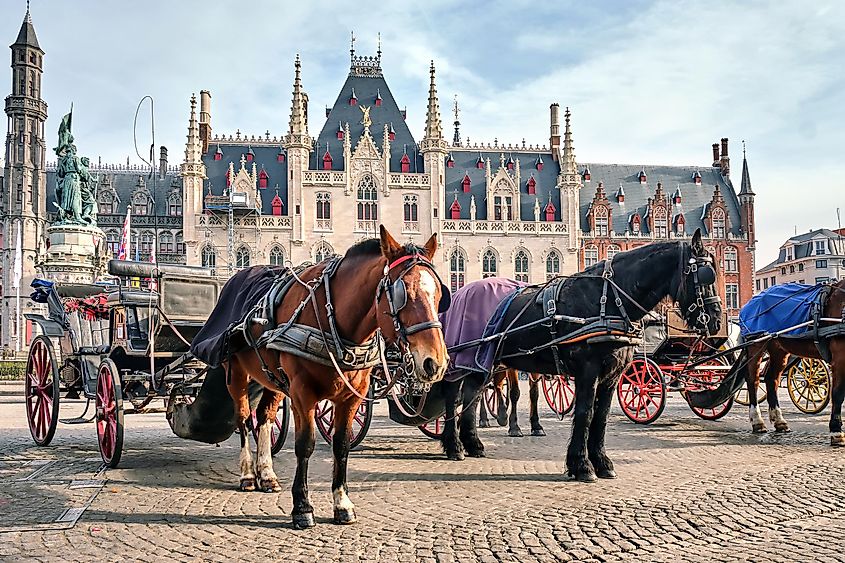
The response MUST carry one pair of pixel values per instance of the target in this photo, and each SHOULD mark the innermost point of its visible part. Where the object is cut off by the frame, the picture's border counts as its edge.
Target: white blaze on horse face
(428, 287)
(341, 500)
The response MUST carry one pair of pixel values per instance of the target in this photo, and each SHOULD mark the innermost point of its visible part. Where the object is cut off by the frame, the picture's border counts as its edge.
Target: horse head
(409, 298)
(700, 304)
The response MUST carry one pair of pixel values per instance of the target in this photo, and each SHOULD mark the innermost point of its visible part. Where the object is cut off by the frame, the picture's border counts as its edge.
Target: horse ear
(389, 246)
(697, 246)
(431, 247)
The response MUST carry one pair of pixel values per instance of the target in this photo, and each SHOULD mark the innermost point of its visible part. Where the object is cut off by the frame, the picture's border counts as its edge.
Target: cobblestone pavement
(688, 489)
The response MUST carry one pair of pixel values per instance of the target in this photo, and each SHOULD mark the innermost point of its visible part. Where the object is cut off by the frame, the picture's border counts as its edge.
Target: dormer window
(250, 156)
(339, 134)
(276, 205)
(550, 211)
(218, 154)
(510, 164)
(353, 99)
(531, 185)
(327, 160)
(391, 134)
(466, 184)
(263, 179)
(697, 178)
(676, 197)
(405, 163)
(635, 224)
(539, 164)
(378, 99)
(281, 156)
(450, 161)
(587, 174)
(479, 163)
(455, 209)
(620, 194)
(680, 225)
(228, 179)
(642, 177)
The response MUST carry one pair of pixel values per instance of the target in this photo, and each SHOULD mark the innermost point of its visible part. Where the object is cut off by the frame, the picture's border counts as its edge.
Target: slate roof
(694, 199)
(366, 89)
(465, 163)
(266, 156)
(804, 246)
(26, 36)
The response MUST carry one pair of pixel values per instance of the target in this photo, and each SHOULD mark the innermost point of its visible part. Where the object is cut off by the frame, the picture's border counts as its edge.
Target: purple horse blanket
(477, 310)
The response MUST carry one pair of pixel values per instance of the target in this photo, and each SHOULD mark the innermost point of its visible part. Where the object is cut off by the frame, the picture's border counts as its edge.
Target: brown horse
(379, 285)
(512, 377)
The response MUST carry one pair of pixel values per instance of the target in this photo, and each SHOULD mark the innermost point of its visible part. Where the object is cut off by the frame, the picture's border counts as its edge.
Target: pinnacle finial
(27, 18)
(378, 52)
(352, 45)
(743, 148)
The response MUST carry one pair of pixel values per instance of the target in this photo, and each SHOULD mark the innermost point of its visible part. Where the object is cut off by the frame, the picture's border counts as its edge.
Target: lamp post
(150, 163)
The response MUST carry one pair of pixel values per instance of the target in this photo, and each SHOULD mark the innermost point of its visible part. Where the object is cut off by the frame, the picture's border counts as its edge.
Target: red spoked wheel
(41, 389)
(434, 428)
(360, 422)
(641, 391)
(491, 401)
(278, 431)
(560, 393)
(109, 416)
(704, 378)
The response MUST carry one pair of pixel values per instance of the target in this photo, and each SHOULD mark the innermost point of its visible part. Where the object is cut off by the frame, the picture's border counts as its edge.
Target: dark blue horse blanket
(476, 311)
(780, 307)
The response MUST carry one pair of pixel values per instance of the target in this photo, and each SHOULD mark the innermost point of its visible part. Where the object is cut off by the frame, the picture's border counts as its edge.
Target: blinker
(706, 274)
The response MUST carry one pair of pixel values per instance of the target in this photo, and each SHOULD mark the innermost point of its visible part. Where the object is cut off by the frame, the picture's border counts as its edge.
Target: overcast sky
(648, 82)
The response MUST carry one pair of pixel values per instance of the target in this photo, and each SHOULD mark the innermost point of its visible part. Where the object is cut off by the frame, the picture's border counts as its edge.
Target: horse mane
(372, 247)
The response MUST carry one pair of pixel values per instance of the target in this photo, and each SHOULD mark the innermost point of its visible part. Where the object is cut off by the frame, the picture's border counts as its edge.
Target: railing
(410, 227)
(140, 220)
(399, 180)
(323, 225)
(504, 227)
(324, 177)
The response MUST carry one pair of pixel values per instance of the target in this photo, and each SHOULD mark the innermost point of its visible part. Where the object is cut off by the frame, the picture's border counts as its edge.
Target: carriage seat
(93, 350)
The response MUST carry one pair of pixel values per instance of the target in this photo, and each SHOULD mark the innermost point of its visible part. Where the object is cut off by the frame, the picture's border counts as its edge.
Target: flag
(17, 269)
(123, 252)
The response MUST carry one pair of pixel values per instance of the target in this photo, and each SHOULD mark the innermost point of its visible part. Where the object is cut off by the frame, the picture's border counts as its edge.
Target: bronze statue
(76, 193)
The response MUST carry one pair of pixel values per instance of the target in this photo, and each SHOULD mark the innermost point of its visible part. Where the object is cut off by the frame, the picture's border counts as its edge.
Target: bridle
(703, 276)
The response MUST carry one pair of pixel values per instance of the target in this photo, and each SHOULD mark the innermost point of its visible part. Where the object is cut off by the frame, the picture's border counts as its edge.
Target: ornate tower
(569, 181)
(298, 145)
(23, 204)
(433, 149)
(746, 203)
(193, 174)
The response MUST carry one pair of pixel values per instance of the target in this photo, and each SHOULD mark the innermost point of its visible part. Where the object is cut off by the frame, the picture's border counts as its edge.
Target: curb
(11, 388)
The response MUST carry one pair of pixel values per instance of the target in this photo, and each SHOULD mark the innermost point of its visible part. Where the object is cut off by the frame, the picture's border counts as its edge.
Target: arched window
(601, 221)
(410, 208)
(165, 242)
(106, 202)
(661, 224)
(147, 240)
(457, 269)
(489, 264)
(718, 221)
(322, 251)
(552, 265)
(174, 205)
(209, 258)
(367, 202)
(141, 204)
(180, 242)
(242, 258)
(277, 256)
(520, 266)
(612, 251)
(731, 259)
(324, 210)
(591, 256)
(113, 242)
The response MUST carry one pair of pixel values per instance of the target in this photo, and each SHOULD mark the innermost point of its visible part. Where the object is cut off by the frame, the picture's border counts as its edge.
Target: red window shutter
(550, 212)
(327, 161)
(262, 179)
(539, 166)
(532, 185)
(280, 157)
(406, 163)
(466, 183)
(249, 157)
(455, 210)
(218, 156)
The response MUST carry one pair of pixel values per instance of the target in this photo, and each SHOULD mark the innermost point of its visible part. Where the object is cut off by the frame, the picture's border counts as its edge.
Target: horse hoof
(837, 440)
(455, 456)
(606, 473)
(538, 432)
(476, 453)
(344, 516)
(582, 476)
(515, 433)
(271, 486)
(782, 428)
(304, 521)
(484, 424)
(759, 429)
(247, 485)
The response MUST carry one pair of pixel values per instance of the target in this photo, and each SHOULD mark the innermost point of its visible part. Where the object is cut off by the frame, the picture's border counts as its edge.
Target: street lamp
(150, 163)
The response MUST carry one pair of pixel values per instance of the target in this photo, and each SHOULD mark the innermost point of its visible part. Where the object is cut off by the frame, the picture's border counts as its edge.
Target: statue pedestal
(75, 254)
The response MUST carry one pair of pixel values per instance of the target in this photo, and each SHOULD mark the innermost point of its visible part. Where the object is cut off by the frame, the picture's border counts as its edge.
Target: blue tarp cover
(779, 307)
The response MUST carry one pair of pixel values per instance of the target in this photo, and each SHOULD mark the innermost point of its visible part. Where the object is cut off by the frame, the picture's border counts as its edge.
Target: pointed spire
(456, 139)
(26, 36)
(568, 166)
(745, 187)
(433, 127)
(297, 110)
(193, 149)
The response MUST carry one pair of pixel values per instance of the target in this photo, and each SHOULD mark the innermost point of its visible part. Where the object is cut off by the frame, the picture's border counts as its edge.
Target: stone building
(817, 256)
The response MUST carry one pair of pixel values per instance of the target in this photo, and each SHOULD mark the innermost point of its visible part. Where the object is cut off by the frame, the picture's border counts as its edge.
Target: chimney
(205, 119)
(162, 163)
(554, 132)
(724, 161)
(715, 154)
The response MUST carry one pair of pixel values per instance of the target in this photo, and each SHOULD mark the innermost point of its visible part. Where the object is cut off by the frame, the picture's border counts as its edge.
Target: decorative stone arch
(321, 250)
(142, 202)
(276, 255)
(521, 260)
(107, 201)
(502, 188)
(490, 262)
(243, 257)
(553, 263)
(457, 259)
(591, 255)
(208, 256)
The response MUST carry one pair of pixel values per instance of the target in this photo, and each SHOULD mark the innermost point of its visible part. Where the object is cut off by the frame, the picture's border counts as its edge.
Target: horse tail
(734, 379)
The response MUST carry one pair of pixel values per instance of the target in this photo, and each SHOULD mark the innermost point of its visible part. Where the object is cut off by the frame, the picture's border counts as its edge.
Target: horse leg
(533, 398)
(468, 431)
(752, 380)
(303, 416)
(238, 390)
(837, 437)
(344, 412)
(483, 420)
(498, 390)
(449, 439)
(513, 424)
(598, 427)
(578, 466)
(265, 418)
(777, 363)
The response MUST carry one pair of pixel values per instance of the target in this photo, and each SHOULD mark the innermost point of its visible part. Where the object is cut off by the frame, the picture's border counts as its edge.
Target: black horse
(632, 284)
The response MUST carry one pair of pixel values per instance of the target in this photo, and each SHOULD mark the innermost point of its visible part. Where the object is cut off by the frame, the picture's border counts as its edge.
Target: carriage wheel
(641, 391)
(41, 389)
(808, 383)
(559, 393)
(741, 396)
(491, 400)
(360, 422)
(109, 416)
(434, 428)
(707, 377)
(279, 430)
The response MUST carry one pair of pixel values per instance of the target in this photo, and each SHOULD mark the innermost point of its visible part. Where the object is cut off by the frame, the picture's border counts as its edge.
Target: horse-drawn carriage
(114, 344)
(807, 381)
(669, 360)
